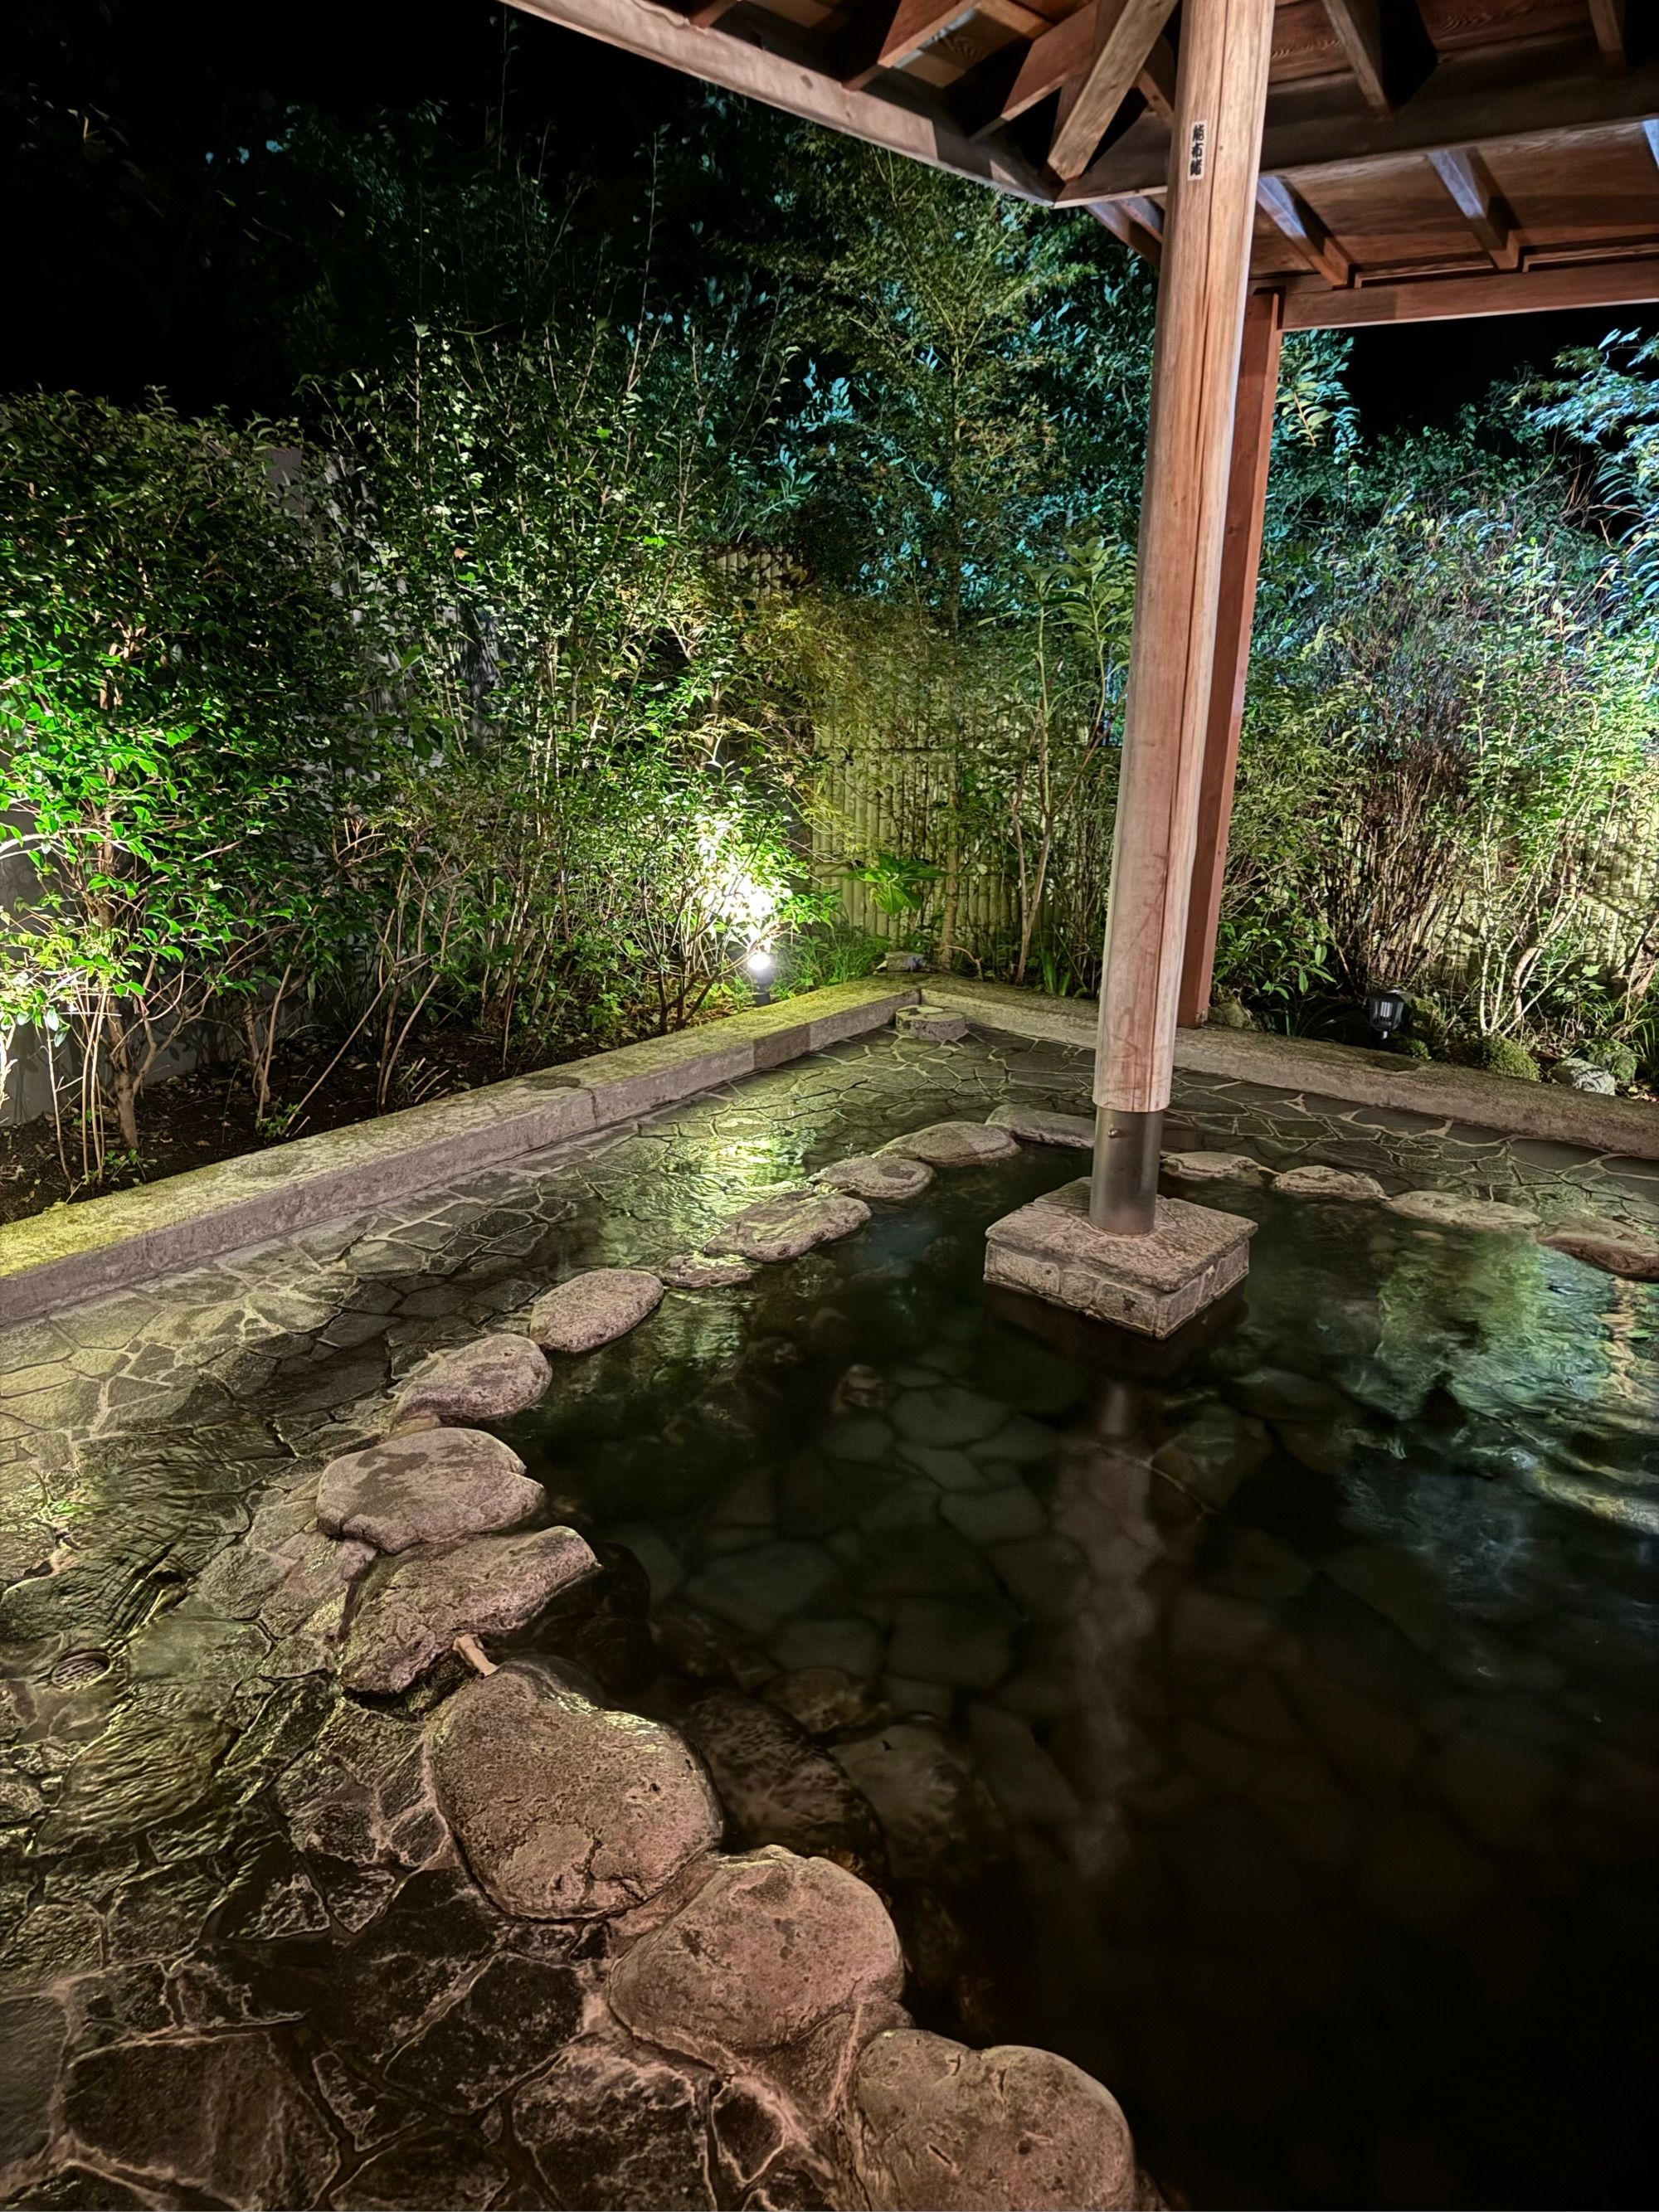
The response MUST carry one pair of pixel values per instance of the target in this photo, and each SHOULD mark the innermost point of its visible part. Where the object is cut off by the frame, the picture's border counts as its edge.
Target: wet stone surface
(1271, 1736)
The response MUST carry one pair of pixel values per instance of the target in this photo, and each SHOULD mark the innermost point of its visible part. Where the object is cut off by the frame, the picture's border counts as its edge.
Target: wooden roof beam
(1309, 306)
(1060, 55)
(1359, 28)
(1303, 231)
(1482, 206)
(1136, 224)
(923, 133)
(1608, 21)
(1385, 45)
(1545, 110)
(1125, 31)
(1157, 82)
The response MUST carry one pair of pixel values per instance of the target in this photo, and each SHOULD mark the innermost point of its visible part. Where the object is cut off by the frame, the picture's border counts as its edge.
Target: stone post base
(1150, 1285)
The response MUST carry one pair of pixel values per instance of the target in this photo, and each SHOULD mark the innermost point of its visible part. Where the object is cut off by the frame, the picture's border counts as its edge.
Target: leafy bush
(179, 724)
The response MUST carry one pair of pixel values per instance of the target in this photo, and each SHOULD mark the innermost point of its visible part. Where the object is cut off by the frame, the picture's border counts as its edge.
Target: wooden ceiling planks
(1415, 151)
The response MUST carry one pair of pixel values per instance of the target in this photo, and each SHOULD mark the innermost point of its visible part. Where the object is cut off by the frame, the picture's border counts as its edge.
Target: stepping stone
(1617, 1246)
(565, 1810)
(428, 1487)
(933, 2124)
(953, 1143)
(867, 1175)
(411, 1610)
(1212, 1167)
(705, 1271)
(1038, 1125)
(937, 1024)
(498, 1376)
(779, 1964)
(593, 1309)
(783, 1228)
(1452, 1209)
(1330, 1182)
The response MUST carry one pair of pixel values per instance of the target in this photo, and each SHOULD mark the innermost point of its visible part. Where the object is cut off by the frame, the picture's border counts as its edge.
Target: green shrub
(1416, 1048)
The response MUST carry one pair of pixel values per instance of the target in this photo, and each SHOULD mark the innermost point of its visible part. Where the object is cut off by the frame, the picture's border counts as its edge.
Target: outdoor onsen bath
(1260, 1720)
(829, 1106)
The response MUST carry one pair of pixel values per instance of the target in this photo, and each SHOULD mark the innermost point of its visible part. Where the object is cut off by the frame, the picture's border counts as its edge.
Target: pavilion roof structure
(1420, 158)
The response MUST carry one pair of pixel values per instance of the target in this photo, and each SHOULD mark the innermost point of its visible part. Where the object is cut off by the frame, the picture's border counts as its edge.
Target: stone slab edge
(73, 1253)
(1628, 1127)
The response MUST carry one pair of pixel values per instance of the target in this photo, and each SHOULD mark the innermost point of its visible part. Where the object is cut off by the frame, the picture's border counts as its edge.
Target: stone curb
(1627, 1126)
(73, 1253)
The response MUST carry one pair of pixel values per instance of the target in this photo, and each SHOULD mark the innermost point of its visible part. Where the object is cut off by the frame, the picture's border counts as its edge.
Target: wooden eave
(1419, 160)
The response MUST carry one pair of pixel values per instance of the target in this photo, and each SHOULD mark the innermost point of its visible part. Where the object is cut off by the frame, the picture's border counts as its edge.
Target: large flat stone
(1618, 1247)
(938, 2128)
(565, 1810)
(868, 1174)
(486, 1381)
(593, 1309)
(411, 1609)
(779, 1964)
(1453, 1209)
(930, 1024)
(783, 1228)
(953, 1143)
(1340, 1183)
(431, 1486)
(1039, 1125)
(1151, 1284)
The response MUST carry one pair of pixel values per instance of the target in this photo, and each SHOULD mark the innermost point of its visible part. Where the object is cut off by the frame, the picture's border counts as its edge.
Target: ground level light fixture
(761, 966)
(1385, 1011)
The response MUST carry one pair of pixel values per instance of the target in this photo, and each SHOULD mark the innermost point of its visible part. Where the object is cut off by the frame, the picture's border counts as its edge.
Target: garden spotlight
(762, 967)
(1385, 1011)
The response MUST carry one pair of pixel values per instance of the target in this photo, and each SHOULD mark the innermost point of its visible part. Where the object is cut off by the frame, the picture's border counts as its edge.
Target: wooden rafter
(1124, 33)
(1359, 27)
(1482, 206)
(1436, 299)
(1302, 229)
(914, 24)
(1055, 59)
(1608, 21)
(1157, 82)
(1552, 109)
(1136, 224)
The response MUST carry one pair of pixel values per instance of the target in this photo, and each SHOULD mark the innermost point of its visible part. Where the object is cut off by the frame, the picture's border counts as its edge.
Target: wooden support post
(1241, 556)
(1220, 94)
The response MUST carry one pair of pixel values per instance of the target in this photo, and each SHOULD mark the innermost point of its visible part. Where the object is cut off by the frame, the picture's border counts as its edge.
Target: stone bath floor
(1342, 1769)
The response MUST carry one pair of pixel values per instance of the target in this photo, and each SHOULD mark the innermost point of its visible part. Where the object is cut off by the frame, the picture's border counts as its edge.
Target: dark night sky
(131, 263)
